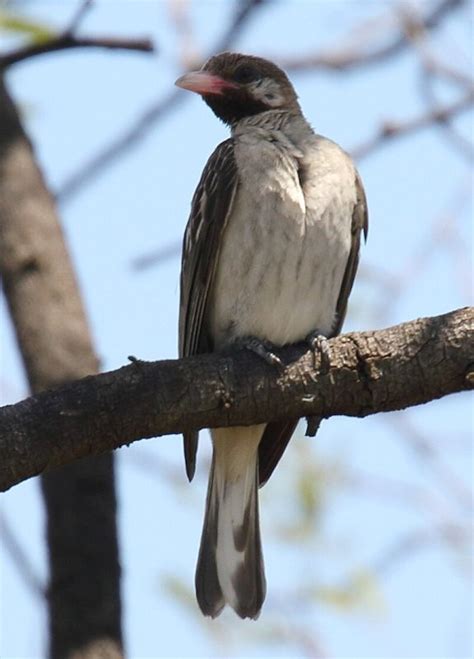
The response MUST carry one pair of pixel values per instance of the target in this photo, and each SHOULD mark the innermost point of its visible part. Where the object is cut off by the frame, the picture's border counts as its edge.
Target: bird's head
(237, 86)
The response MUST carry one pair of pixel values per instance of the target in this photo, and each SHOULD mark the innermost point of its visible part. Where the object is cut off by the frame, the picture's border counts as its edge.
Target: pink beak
(202, 82)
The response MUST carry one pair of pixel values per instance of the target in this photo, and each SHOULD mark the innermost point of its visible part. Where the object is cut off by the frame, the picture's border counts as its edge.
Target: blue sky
(75, 102)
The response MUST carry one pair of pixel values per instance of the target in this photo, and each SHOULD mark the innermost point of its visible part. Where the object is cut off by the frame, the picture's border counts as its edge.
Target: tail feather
(208, 590)
(230, 565)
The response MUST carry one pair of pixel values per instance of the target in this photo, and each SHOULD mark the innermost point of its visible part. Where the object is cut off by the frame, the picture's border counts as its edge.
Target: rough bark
(56, 347)
(369, 372)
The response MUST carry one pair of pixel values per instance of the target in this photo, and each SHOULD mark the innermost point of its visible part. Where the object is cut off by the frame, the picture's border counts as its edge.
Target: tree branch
(345, 58)
(157, 110)
(20, 559)
(67, 41)
(338, 60)
(393, 129)
(370, 372)
(79, 15)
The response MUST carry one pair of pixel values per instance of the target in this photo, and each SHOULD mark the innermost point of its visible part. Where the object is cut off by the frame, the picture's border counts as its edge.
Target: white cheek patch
(268, 91)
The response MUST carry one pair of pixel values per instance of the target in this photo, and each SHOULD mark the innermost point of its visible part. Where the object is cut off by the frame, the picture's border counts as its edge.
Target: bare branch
(370, 372)
(432, 68)
(462, 145)
(20, 559)
(393, 129)
(84, 7)
(443, 70)
(454, 535)
(427, 452)
(156, 111)
(92, 167)
(67, 41)
(243, 12)
(441, 233)
(158, 256)
(344, 59)
(402, 492)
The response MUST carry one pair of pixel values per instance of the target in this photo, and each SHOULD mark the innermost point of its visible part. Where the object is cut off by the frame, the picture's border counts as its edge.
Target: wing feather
(210, 210)
(360, 223)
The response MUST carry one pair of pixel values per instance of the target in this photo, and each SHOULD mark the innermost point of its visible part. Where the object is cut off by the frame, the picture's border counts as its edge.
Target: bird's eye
(246, 73)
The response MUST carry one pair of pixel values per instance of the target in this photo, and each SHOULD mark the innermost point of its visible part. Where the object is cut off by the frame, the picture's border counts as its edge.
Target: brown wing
(277, 434)
(210, 209)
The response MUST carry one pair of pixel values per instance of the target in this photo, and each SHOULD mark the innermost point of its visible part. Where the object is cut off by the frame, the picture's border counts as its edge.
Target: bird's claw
(312, 425)
(263, 349)
(136, 360)
(319, 346)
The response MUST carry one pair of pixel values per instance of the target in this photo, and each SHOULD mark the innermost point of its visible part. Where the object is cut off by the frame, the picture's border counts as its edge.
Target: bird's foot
(260, 347)
(319, 346)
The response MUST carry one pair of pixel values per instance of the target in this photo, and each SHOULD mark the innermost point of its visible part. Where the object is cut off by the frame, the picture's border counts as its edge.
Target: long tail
(230, 564)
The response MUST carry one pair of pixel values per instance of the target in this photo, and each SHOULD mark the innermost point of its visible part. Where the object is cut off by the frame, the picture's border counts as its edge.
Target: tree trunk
(56, 347)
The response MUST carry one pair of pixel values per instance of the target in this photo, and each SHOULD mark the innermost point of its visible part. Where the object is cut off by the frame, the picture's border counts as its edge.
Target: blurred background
(366, 528)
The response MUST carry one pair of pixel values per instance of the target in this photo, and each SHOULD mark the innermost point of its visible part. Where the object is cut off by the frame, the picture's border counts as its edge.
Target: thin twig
(439, 235)
(454, 535)
(345, 59)
(94, 166)
(450, 483)
(413, 496)
(67, 41)
(431, 69)
(444, 70)
(19, 558)
(395, 129)
(462, 145)
(157, 256)
(78, 17)
(243, 12)
(158, 109)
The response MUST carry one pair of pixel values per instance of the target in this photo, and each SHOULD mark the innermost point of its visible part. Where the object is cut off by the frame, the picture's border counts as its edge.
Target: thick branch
(369, 372)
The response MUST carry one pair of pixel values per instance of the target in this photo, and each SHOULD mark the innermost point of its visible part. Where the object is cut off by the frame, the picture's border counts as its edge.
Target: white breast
(286, 246)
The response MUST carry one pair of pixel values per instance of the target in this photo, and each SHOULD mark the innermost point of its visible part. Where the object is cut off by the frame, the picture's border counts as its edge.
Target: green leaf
(37, 32)
(178, 590)
(361, 593)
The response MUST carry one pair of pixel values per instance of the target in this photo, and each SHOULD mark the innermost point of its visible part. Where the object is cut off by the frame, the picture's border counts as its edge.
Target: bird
(270, 252)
